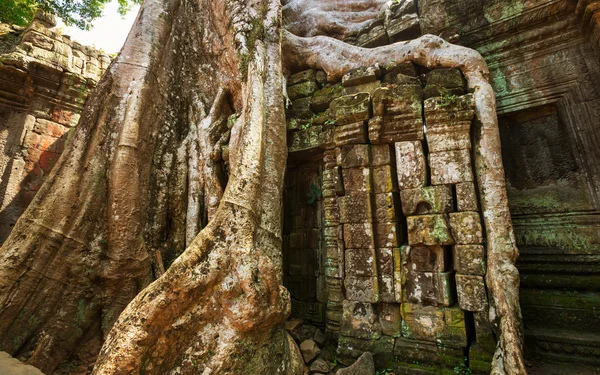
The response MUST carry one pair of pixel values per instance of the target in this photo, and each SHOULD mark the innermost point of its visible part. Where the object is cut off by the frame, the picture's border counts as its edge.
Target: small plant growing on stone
(315, 193)
(329, 122)
(305, 126)
(386, 371)
(463, 369)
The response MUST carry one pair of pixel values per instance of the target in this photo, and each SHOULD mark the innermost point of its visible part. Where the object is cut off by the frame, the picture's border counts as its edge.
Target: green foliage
(386, 371)
(330, 122)
(315, 192)
(80, 13)
(305, 126)
(463, 369)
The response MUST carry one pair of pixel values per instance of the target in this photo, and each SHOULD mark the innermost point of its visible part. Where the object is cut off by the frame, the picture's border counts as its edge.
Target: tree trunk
(143, 175)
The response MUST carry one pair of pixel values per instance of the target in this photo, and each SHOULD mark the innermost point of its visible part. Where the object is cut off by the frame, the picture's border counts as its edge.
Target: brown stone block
(385, 261)
(444, 325)
(350, 109)
(360, 76)
(429, 230)
(386, 235)
(466, 197)
(427, 200)
(466, 228)
(450, 167)
(331, 211)
(472, 295)
(355, 156)
(360, 320)
(447, 137)
(430, 288)
(365, 87)
(358, 236)
(301, 77)
(334, 267)
(381, 155)
(356, 208)
(398, 100)
(362, 289)
(395, 128)
(335, 289)
(384, 179)
(418, 351)
(354, 133)
(385, 207)
(397, 274)
(300, 113)
(321, 99)
(410, 165)
(302, 90)
(444, 82)
(422, 258)
(306, 139)
(469, 259)
(357, 180)
(387, 288)
(360, 262)
(390, 319)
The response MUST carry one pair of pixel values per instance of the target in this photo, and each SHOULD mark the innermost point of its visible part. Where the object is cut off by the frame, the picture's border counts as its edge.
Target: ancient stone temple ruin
(384, 236)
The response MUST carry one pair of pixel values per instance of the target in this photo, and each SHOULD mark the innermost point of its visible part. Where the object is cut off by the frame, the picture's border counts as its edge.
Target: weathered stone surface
(358, 236)
(410, 165)
(319, 366)
(466, 197)
(360, 320)
(449, 137)
(466, 228)
(472, 295)
(406, 69)
(430, 288)
(387, 291)
(384, 179)
(302, 90)
(429, 230)
(444, 325)
(375, 37)
(360, 262)
(398, 100)
(385, 207)
(450, 167)
(363, 366)
(469, 259)
(299, 110)
(449, 122)
(422, 258)
(362, 289)
(356, 208)
(381, 155)
(360, 76)
(350, 108)
(306, 139)
(386, 235)
(385, 261)
(444, 82)
(292, 324)
(357, 180)
(390, 319)
(365, 87)
(417, 351)
(395, 128)
(355, 156)
(319, 337)
(427, 200)
(301, 77)
(354, 133)
(350, 348)
(322, 99)
(310, 350)
(486, 339)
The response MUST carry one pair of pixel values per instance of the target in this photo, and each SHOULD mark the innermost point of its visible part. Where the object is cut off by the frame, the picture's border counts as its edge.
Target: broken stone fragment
(410, 165)
(466, 228)
(427, 200)
(362, 289)
(450, 167)
(319, 366)
(429, 230)
(472, 295)
(351, 108)
(319, 337)
(360, 76)
(360, 320)
(309, 350)
(443, 325)
(354, 133)
(363, 366)
(422, 258)
(301, 77)
(430, 288)
(302, 90)
(469, 259)
(466, 197)
(322, 99)
(292, 324)
(444, 82)
(360, 262)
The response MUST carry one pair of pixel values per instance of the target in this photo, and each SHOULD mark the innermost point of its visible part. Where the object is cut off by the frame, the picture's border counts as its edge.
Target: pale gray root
(336, 58)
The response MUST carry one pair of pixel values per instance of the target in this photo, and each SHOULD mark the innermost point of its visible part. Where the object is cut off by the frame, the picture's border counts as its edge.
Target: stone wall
(44, 81)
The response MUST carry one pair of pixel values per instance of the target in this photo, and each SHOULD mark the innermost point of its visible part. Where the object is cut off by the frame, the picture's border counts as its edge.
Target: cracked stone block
(384, 180)
(450, 167)
(360, 76)
(351, 108)
(469, 259)
(395, 128)
(302, 90)
(449, 137)
(422, 258)
(381, 155)
(386, 235)
(466, 228)
(444, 82)
(427, 200)
(355, 156)
(443, 325)
(390, 319)
(365, 87)
(410, 165)
(429, 230)
(354, 133)
(301, 77)
(356, 208)
(385, 207)
(430, 288)
(362, 289)
(358, 236)
(466, 197)
(322, 99)
(357, 180)
(360, 262)
(472, 295)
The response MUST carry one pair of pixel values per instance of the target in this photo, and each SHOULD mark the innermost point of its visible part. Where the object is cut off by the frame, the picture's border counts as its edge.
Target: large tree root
(337, 58)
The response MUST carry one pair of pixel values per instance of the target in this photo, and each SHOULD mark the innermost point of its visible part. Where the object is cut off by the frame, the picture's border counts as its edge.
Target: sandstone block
(422, 258)
(469, 259)
(395, 128)
(430, 288)
(398, 100)
(357, 180)
(299, 110)
(355, 156)
(306, 139)
(360, 76)
(448, 137)
(356, 208)
(443, 325)
(350, 108)
(363, 366)
(466, 228)
(362, 289)
(384, 179)
(350, 348)
(375, 37)
(360, 262)
(331, 212)
(410, 165)
(365, 87)
(319, 366)
(387, 291)
(472, 295)
(449, 122)
(354, 133)
(444, 82)
(310, 350)
(429, 230)
(466, 197)
(486, 339)
(386, 235)
(390, 319)
(385, 207)
(301, 77)
(358, 236)
(427, 200)
(385, 261)
(334, 289)
(450, 167)
(418, 351)
(302, 90)
(398, 282)
(381, 155)
(322, 99)
(360, 320)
